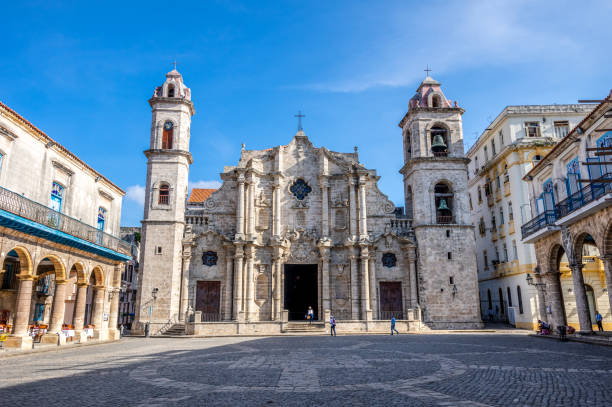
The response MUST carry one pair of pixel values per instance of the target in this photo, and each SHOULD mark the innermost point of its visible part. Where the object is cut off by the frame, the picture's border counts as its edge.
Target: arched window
(489, 299)
(509, 296)
(501, 301)
(444, 203)
(435, 101)
(520, 298)
(170, 91)
(439, 141)
(168, 135)
(164, 195)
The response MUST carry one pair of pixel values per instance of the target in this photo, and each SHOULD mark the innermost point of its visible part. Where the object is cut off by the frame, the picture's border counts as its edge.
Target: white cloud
(451, 36)
(204, 184)
(136, 193)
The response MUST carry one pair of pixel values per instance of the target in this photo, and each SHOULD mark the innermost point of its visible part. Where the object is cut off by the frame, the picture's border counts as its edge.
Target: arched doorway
(48, 299)
(16, 262)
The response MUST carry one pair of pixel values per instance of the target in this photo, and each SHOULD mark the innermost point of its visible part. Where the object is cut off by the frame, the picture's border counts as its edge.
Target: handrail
(36, 212)
(544, 219)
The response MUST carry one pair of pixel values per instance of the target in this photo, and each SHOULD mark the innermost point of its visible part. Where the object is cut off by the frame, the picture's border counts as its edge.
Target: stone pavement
(412, 370)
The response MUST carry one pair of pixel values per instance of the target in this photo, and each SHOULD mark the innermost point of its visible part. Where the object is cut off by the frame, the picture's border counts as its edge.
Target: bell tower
(435, 188)
(168, 161)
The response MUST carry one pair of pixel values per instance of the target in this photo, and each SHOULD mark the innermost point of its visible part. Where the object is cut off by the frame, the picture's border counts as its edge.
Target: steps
(175, 330)
(305, 328)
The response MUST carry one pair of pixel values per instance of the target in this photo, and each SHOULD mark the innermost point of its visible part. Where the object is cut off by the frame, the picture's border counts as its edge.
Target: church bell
(443, 205)
(438, 142)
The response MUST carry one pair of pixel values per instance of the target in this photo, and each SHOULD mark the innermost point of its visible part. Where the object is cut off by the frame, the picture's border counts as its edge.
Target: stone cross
(299, 116)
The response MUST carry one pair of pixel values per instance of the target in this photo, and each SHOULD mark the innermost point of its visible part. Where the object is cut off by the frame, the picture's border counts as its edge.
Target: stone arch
(554, 257)
(606, 247)
(433, 97)
(81, 274)
(98, 274)
(25, 260)
(579, 241)
(58, 265)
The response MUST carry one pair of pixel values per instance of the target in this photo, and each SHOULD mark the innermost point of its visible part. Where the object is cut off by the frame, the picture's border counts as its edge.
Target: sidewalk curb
(574, 339)
(53, 348)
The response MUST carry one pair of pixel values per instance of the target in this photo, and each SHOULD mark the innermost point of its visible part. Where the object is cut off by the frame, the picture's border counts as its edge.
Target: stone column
(227, 300)
(352, 209)
(324, 206)
(276, 212)
(78, 319)
(275, 286)
(251, 206)
(240, 217)
(98, 310)
(354, 285)
(238, 257)
(365, 285)
(249, 282)
(24, 299)
(185, 286)
(373, 286)
(59, 305)
(582, 305)
(414, 296)
(607, 261)
(541, 300)
(553, 291)
(325, 279)
(363, 218)
(114, 313)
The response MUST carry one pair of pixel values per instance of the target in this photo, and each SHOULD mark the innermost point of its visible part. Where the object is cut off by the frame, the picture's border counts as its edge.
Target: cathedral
(296, 226)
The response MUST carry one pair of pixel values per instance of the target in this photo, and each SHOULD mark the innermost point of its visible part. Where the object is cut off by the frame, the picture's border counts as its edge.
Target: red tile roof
(200, 194)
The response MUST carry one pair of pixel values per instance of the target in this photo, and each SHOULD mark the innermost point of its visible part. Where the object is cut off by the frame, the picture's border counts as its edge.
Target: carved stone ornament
(209, 258)
(210, 204)
(389, 260)
(300, 189)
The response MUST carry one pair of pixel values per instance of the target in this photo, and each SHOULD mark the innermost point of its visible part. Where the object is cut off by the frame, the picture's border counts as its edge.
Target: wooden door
(391, 300)
(208, 300)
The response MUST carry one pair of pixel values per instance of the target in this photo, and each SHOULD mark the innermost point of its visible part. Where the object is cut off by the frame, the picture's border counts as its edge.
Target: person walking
(598, 319)
(393, 325)
(310, 314)
(332, 325)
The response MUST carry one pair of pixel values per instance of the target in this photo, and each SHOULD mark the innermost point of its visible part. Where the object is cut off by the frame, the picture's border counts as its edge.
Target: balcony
(401, 226)
(547, 218)
(502, 231)
(498, 195)
(490, 201)
(494, 234)
(41, 221)
(585, 201)
(511, 227)
(506, 189)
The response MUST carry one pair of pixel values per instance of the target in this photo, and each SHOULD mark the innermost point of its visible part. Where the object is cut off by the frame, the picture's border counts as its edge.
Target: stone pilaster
(227, 295)
(276, 210)
(238, 259)
(251, 207)
(541, 300)
(185, 284)
(114, 313)
(373, 285)
(20, 338)
(414, 296)
(363, 217)
(241, 209)
(250, 285)
(324, 206)
(352, 209)
(365, 284)
(324, 251)
(354, 284)
(582, 305)
(98, 310)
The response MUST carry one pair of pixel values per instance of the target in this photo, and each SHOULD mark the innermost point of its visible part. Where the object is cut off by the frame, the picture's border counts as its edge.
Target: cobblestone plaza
(414, 370)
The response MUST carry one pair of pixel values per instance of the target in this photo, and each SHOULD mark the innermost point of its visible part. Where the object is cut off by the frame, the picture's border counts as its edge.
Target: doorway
(391, 300)
(208, 300)
(301, 290)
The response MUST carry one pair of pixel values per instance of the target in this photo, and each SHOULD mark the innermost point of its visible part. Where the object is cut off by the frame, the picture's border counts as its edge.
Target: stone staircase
(175, 330)
(305, 328)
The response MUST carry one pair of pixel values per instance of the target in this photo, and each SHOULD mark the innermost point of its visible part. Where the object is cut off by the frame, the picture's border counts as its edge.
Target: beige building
(510, 146)
(61, 261)
(297, 226)
(571, 225)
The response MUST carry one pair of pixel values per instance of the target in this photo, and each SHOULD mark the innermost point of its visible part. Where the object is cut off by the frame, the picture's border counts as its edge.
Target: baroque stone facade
(298, 226)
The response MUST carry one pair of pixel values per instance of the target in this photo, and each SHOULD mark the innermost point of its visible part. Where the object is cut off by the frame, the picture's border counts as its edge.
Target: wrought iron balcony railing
(544, 219)
(585, 196)
(26, 208)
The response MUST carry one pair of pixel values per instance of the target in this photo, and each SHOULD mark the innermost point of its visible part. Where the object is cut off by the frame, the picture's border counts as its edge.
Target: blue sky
(83, 72)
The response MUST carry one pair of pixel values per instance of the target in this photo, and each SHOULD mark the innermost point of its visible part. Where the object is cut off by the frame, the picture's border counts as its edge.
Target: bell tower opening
(439, 141)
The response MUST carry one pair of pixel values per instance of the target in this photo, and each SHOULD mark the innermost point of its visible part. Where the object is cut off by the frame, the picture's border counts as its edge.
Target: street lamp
(530, 281)
(148, 325)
